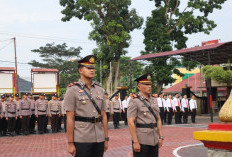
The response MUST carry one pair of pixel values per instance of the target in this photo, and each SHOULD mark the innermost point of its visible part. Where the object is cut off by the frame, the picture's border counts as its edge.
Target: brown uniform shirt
(76, 100)
(54, 107)
(116, 105)
(138, 110)
(108, 105)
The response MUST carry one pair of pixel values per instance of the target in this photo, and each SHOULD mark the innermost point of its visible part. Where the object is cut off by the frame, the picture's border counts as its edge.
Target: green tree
(59, 57)
(112, 21)
(167, 28)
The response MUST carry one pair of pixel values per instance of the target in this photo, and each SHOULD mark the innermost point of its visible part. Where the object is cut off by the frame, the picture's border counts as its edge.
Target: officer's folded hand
(20, 117)
(6, 118)
(160, 143)
(106, 146)
(136, 146)
(50, 115)
(37, 116)
(16, 118)
(71, 149)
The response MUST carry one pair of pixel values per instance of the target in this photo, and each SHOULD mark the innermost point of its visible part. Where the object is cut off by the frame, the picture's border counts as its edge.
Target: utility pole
(16, 70)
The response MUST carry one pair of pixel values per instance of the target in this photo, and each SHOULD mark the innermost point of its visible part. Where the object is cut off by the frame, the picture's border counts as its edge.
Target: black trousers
(125, 116)
(18, 125)
(32, 122)
(65, 119)
(11, 124)
(193, 115)
(165, 116)
(89, 149)
(177, 115)
(1, 126)
(162, 114)
(25, 124)
(59, 122)
(116, 118)
(42, 123)
(4, 125)
(185, 116)
(108, 116)
(147, 151)
(54, 122)
(170, 113)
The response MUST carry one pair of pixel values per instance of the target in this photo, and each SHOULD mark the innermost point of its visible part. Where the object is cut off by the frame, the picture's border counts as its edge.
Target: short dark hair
(176, 93)
(106, 94)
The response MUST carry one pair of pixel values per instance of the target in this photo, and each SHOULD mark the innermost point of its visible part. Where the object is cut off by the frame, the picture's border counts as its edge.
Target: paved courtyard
(178, 142)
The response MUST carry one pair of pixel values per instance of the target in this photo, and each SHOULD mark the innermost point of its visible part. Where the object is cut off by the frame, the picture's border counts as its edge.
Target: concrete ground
(178, 142)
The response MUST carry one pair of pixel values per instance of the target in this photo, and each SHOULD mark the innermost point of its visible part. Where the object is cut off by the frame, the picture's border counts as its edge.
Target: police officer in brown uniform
(18, 124)
(33, 118)
(116, 111)
(1, 115)
(54, 110)
(41, 112)
(11, 114)
(108, 106)
(144, 121)
(25, 113)
(86, 113)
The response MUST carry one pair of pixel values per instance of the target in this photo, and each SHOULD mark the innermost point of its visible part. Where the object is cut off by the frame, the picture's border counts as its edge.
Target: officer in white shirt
(185, 108)
(193, 108)
(169, 103)
(125, 103)
(161, 103)
(177, 108)
(165, 108)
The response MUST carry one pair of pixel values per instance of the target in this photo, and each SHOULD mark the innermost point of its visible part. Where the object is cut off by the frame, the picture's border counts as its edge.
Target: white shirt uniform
(193, 104)
(169, 103)
(160, 102)
(176, 102)
(165, 104)
(125, 104)
(184, 104)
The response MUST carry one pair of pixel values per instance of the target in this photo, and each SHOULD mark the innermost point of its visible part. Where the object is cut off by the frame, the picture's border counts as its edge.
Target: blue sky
(35, 23)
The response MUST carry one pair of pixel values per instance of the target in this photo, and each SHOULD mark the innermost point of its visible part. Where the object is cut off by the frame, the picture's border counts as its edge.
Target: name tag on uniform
(82, 94)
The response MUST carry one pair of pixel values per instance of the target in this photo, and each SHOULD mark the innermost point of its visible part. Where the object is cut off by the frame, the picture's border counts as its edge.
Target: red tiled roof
(43, 70)
(219, 53)
(193, 81)
(7, 69)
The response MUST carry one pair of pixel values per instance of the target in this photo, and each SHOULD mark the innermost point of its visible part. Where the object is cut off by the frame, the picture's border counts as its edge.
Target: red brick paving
(54, 145)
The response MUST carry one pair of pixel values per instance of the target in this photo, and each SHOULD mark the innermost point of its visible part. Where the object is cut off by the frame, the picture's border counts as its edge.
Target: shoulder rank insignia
(72, 84)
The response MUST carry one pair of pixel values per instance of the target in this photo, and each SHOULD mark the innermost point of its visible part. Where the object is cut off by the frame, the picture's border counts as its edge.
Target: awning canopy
(210, 54)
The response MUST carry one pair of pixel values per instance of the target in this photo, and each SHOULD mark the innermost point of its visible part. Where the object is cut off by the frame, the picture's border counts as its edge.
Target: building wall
(187, 74)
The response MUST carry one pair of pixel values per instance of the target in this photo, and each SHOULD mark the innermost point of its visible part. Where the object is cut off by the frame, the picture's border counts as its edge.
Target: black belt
(151, 125)
(11, 112)
(54, 111)
(25, 108)
(32, 109)
(88, 119)
(116, 108)
(42, 110)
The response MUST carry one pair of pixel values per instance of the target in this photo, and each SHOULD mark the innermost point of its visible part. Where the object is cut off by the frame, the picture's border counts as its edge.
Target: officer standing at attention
(144, 121)
(193, 108)
(116, 111)
(108, 106)
(59, 118)
(169, 104)
(165, 108)
(160, 101)
(185, 108)
(177, 108)
(125, 103)
(54, 110)
(63, 112)
(86, 113)
(41, 112)
(1, 116)
(3, 119)
(33, 118)
(25, 113)
(18, 121)
(11, 114)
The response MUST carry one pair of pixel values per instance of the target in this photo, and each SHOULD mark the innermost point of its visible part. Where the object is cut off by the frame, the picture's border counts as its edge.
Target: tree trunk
(109, 80)
(117, 75)
(159, 86)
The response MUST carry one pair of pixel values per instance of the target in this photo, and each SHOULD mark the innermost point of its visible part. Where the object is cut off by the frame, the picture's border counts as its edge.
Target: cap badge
(92, 60)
